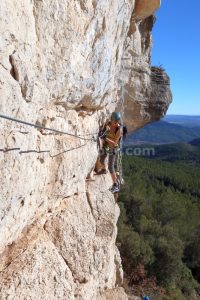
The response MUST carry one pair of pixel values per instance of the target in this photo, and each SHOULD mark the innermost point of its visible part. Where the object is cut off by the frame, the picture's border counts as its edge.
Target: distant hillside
(187, 121)
(179, 152)
(195, 142)
(185, 153)
(159, 224)
(162, 132)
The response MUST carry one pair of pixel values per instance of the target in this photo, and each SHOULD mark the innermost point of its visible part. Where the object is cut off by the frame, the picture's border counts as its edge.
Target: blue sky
(176, 47)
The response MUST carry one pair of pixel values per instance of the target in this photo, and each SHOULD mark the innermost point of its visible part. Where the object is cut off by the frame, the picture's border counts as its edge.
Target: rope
(41, 151)
(67, 150)
(46, 128)
(120, 153)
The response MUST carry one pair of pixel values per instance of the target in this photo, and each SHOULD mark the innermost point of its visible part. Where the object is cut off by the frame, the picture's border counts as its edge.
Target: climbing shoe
(114, 188)
(116, 184)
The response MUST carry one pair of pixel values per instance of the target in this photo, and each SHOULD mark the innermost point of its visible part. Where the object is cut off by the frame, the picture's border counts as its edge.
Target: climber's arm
(116, 140)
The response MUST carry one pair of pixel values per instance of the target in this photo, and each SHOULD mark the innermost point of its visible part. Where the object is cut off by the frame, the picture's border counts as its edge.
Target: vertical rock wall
(145, 89)
(62, 65)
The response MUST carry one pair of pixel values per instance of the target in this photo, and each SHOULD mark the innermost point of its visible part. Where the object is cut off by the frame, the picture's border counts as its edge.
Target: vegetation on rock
(159, 226)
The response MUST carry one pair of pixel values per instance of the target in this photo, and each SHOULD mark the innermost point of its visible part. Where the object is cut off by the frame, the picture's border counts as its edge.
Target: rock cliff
(67, 65)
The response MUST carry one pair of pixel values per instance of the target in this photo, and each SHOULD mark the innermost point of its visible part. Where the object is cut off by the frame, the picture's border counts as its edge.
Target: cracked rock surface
(71, 255)
(64, 65)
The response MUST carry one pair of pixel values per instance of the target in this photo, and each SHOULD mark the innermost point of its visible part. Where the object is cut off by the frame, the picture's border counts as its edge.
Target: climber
(111, 134)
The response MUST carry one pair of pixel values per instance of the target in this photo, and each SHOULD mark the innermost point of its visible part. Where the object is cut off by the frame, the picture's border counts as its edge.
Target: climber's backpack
(125, 131)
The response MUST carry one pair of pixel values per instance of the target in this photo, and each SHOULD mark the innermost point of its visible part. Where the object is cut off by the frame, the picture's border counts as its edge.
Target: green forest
(159, 225)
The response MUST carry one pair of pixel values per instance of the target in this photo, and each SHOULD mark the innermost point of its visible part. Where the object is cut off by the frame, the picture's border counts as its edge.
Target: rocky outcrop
(145, 8)
(64, 65)
(117, 293)
(145, 90)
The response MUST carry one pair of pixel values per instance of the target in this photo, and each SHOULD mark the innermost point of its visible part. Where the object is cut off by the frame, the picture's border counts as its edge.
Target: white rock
(62, 65)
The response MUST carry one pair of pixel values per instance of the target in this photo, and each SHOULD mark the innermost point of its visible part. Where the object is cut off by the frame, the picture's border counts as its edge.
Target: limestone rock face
(67, 254)
(117, 293)
(65, 65)
(145, 92)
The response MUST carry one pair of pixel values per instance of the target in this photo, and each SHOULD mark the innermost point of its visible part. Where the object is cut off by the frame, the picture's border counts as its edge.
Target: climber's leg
(97, 165)
(90, 176)
(114, 176)
(111, 163)
(102, 160)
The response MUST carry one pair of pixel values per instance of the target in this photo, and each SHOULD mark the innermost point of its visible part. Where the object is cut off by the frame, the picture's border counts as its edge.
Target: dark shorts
(111, 153)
